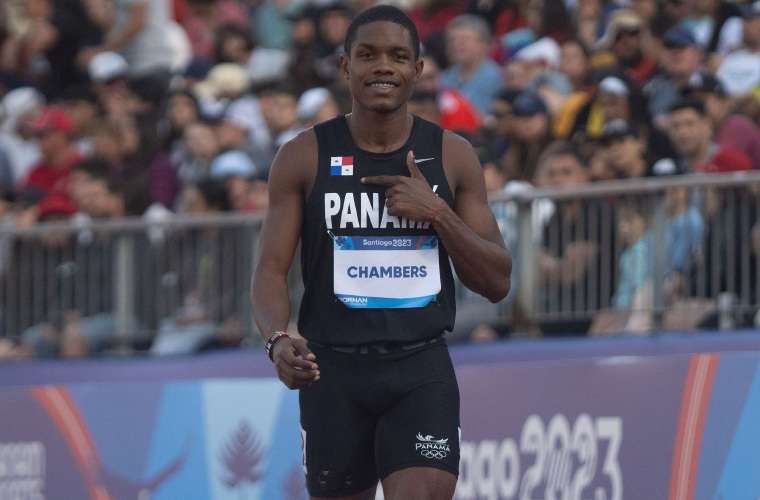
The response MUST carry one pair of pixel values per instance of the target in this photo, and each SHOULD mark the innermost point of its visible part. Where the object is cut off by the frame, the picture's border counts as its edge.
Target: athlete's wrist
(438, 211)
(272, 340)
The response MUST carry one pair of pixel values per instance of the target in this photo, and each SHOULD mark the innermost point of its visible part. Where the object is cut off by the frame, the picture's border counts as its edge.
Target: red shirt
(739, 132)
(48, 178)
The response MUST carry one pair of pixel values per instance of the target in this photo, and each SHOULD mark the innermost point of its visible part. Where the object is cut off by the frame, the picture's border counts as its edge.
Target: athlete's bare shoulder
(459, 160)
(296, 161)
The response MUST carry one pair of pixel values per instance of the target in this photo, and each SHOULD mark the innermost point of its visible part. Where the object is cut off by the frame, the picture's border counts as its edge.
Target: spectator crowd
(114, 108)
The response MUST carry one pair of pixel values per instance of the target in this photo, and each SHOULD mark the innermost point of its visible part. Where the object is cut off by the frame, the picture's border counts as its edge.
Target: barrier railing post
(525, 260)
(658, 274)
(124, 290)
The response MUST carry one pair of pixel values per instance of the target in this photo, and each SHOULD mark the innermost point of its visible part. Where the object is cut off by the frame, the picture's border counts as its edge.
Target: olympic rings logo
(434, 454)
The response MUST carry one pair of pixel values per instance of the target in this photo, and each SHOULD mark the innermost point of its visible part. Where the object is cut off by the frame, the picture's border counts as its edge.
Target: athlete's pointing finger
(384, 180)
(414, 170)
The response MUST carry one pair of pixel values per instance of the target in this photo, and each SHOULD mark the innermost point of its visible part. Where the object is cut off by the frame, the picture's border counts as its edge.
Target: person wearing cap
(243, 127)
(540, 66)
(18, 109)
(53, 128)
(531, 133)
(316, 105)
(245, 190)
(622, 151)
(740, 70)
(682, 57)
(472, 72)
(732, 130)
(624, 37)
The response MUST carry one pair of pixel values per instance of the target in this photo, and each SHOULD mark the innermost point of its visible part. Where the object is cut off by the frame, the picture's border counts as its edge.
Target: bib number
(386, 272)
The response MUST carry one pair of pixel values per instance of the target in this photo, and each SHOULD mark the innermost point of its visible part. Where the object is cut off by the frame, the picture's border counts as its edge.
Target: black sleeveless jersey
(369, 276)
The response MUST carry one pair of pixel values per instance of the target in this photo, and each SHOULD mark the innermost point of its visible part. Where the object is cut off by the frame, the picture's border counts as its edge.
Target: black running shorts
(372, 413)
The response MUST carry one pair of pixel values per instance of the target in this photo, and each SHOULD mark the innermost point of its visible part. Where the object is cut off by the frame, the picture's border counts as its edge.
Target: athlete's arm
(279, 239)
(469, 232)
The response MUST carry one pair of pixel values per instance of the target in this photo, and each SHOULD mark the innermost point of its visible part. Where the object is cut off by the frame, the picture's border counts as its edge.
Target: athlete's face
(381, 68)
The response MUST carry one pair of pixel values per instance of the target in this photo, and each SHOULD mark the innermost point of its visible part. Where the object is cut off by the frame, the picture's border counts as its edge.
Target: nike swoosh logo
(420, 160)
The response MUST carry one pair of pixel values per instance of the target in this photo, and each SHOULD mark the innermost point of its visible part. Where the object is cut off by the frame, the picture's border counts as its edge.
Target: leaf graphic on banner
(242, 457)
(294, 486)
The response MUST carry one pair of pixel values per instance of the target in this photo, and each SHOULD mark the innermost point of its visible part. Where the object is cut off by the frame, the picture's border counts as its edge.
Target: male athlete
(381, 200)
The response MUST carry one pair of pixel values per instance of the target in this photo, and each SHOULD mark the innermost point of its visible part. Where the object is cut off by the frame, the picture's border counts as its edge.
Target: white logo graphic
(430, 447)
(420, 160)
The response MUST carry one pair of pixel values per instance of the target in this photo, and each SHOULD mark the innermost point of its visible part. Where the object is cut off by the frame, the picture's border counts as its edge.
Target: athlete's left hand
(411, 197)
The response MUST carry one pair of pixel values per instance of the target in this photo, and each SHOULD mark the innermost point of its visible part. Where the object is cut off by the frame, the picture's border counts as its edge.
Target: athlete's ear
(344, 65)
(418, 67)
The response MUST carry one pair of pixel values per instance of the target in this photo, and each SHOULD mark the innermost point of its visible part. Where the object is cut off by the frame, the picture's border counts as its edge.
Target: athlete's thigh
(422, 428)
(338, 437)
(368, 494)
(420, 483)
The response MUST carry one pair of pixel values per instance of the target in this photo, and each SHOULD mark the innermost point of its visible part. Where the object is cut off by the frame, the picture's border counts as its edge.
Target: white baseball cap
(106, 66)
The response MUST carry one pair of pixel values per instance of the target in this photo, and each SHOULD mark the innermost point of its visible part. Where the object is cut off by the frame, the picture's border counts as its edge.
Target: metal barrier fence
(633, 255)
(124, 282)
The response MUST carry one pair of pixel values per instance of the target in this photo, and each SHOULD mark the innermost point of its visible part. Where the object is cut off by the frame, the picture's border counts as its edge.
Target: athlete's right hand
(295, 363)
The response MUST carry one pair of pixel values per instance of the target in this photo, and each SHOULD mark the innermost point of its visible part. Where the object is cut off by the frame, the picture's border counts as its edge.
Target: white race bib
(386, 272)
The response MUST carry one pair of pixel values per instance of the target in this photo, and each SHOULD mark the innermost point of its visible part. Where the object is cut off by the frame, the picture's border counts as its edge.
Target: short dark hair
(688, 103)
(96, 168)
(560, 148)
(382, 13)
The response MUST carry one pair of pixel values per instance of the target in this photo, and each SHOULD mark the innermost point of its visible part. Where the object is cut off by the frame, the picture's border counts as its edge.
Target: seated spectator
(691, 133)
(82, 106)
(576, 243)
(614, 99)
(732, 130)
(18, 109)
(279, 107)
(316, 105)
(195, 153)
(540, 67)
(634, 268)
(233, 44)
(633, 300)
(246, 190)
(682, 57)
(740, 70)
(624, 37)
(244, 128)
(621, 154)
(531, 134)
(183, 110)
(223, 84)
(574, 64)
(476, 76)
(53, 126)
(204, 302)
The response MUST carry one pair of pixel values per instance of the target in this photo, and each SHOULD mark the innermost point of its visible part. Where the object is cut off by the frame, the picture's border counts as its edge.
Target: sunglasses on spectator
(628, 33)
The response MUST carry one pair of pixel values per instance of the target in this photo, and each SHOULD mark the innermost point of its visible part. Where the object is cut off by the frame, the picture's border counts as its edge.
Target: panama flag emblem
(341, 165)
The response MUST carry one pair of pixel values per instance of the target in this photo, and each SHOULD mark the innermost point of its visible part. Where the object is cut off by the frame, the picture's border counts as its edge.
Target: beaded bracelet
(271, 341)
